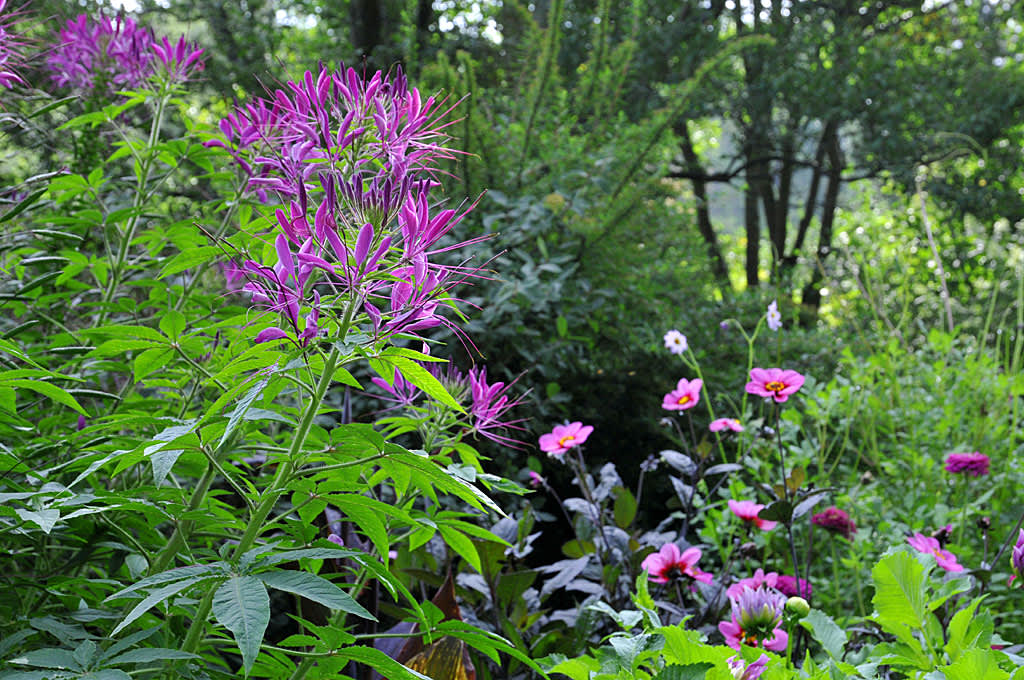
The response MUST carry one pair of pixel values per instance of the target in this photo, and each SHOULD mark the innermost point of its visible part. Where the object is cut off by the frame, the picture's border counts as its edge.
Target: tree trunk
(811, 296)
(367, 20)
(752, 220)
(700, 191)
(812, 193)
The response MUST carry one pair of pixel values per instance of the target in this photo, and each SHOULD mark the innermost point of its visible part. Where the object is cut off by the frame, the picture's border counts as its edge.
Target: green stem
(271, 496)
(835, 574)
(177, 539)
(963, 514)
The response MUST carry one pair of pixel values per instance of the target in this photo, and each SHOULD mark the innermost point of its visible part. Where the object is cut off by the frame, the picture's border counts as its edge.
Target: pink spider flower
(776, 383)
(400, 392)
(748, 512)
(179, 59)
(930, 546)
(564, 437)
(755, 620)
(669, 563)
(719, 424)
(685, 396)
(491, 403)
(974, 464)
(104, 53)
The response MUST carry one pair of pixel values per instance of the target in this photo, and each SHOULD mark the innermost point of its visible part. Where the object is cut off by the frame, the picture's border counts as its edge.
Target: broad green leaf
(172, 323)
(976, 664)
(150, 360)
(582, 668)
(967, 629)
(50, 390)
(106, 674)
(242, 605)
(366, 516)
(830, 636)
(421, 378)
(120, 346)
(625, 508)
(188, 259)
(315, 588)
(691, 671)
(899, 591)
(462, 546)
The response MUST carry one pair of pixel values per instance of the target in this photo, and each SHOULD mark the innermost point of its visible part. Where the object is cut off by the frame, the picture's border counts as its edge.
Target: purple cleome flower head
(352, 159)
(11, 58)
(490, 406)
(836, 521)
(111, 54)
(974, 464)
(755, 619)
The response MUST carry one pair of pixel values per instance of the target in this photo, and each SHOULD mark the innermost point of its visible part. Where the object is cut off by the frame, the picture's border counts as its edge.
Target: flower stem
(270, 497)
(785, 495)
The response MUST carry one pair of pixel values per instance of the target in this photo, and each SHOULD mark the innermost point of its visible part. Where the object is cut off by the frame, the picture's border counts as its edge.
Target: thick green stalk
(270, 497)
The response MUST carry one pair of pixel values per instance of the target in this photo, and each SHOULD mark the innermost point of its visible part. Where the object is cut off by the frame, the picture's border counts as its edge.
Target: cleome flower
(11, 58)
(685, 396)
(776, 383)
(564, 437)
(669, 564)
(930, 546)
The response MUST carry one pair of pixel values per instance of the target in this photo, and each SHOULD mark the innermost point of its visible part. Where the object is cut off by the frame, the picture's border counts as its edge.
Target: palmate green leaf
(315, 588)
(900, 599)
(241, 604)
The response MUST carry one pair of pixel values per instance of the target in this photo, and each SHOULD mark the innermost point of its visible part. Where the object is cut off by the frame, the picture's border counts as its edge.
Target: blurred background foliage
(649, 165)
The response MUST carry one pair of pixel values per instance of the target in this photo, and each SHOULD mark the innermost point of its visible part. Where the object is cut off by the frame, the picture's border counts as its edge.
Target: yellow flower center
(775, 386)
(566, 438)
(685, 399)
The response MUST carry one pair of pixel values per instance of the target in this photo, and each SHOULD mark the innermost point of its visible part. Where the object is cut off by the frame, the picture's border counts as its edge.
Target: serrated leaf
(690, 671)
(899, 592)
(315, 588)
(462, 546)
(829, 635)
(423, 379)
(153, 599)
(241, 604)
(172, 323)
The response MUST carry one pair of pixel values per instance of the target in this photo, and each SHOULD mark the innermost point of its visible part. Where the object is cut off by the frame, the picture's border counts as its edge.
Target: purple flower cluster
(756, 620)
(111, 54)
(353, 162)
(974, 464)
(835, 520)
(10, 49)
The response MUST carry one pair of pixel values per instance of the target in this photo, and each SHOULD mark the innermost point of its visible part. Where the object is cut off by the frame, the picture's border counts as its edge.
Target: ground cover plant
(271, 407)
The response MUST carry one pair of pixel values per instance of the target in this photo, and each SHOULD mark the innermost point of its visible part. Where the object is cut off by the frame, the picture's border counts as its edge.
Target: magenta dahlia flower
(835, 520)
(686, 395)
(564, 437)
(748, 512)
(787, 585)
(720, 424)
(668, 564)
(755, 620)
(776, 383)
(760, 578)
(974, 464)
(930, 546)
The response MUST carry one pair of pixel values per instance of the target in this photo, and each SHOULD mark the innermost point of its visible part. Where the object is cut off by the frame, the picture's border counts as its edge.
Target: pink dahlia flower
(720, 424)
(756, 617)
(930, 546)
(564, 437)
(1017, 556)
(756, 581)
(686, 395)
(748, 512)
(668, 564)
(776, 383)
(974, 464)
(835, 520)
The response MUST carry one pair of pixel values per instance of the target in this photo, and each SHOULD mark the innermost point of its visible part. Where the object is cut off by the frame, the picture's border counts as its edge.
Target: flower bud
(797, 607)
